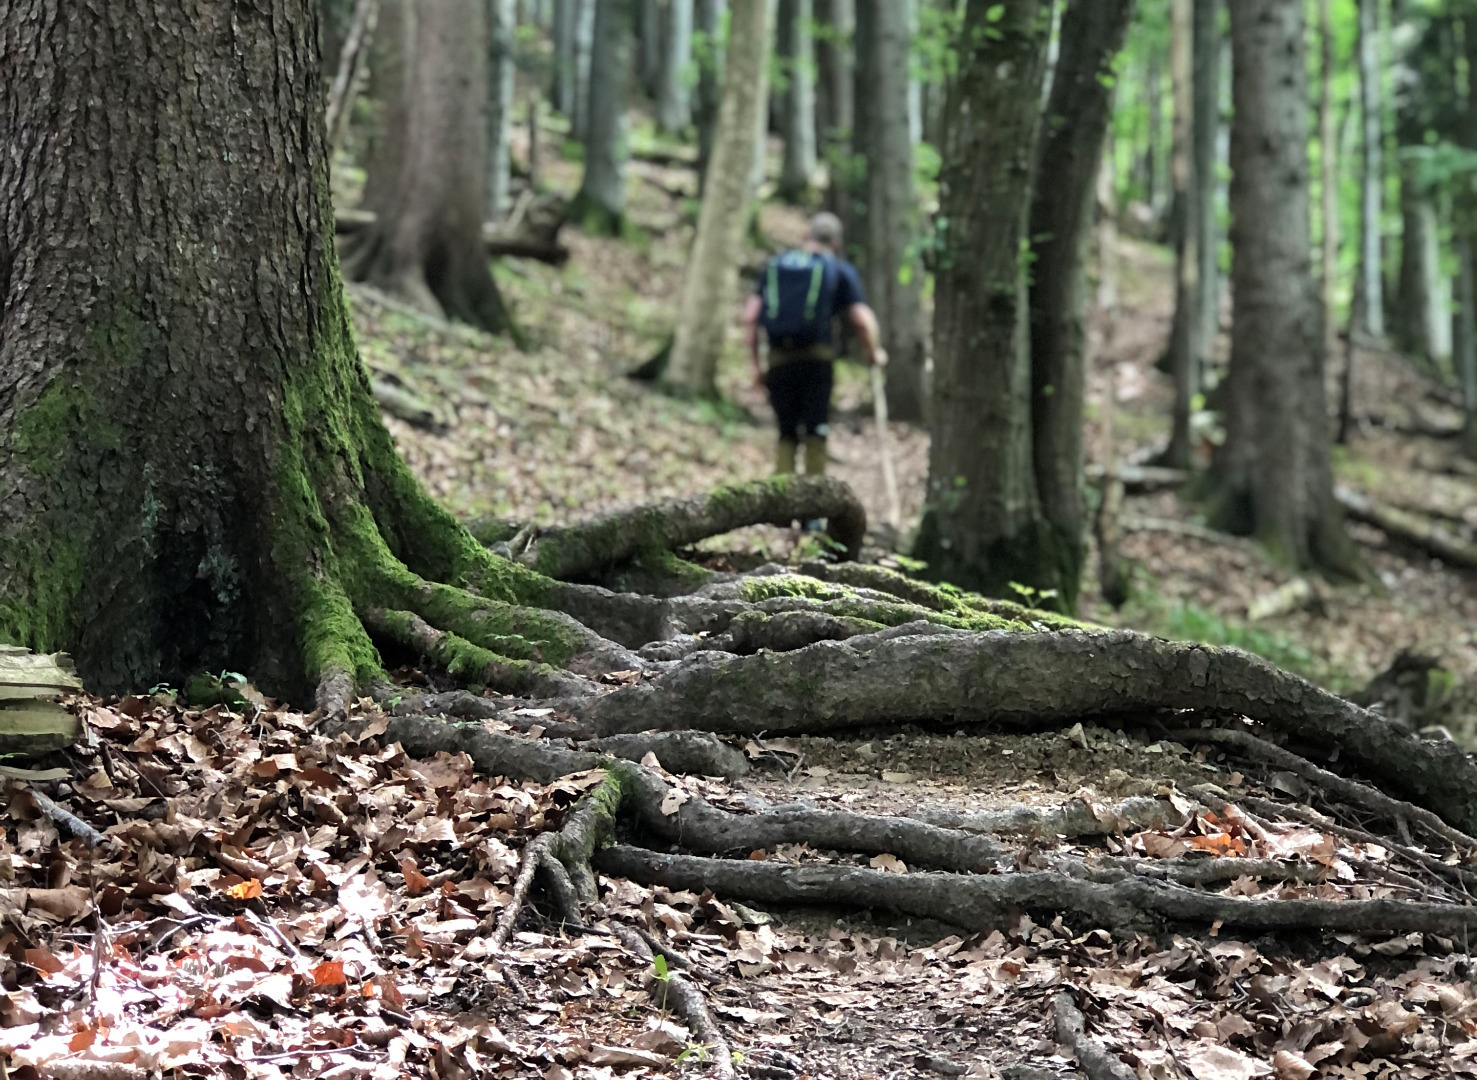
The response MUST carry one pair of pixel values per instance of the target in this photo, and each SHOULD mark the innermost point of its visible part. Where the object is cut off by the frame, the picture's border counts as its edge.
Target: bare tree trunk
(1464, 352)
(1184, 358)
(501, 29)
(350, 71)
(584, 59)
(794, 47)
(1274, 467)
(982, 525)
(1422, 319)
(427, 182)
(893, 269)
(1371, 276)
(648, 30)
(836, 22)
(709, 288)
(562, 87)
(1328, 160)
(674, 99)
(1076, 121)
(710, 79)
(600, 205)
(864, 108)
(1154, 101)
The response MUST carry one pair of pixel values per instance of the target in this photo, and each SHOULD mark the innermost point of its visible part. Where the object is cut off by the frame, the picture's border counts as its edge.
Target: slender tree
(1091, 35)
(1422, 319)
(1371, 303)
(427, 181)
(1328, 156)
(1274, 469)
(1464, 330)
(709, 288)
(982, 525)
(794, 48)
(600, 205)
(562, 90)
(893, 268)
(649, 15)
(501, 29)
(709, 46)
(1184, 346)
(836, 22)
(674, 95)
(584, 59)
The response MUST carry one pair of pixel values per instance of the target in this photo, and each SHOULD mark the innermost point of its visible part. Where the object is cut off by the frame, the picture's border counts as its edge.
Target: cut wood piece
(1413, 529)
(522, 243)
(31, 728)
(31, 722)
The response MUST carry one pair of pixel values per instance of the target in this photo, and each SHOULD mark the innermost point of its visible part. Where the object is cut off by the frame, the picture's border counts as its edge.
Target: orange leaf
(249, 889)
(329, 973)
(415, 881)
(43, 960)
(1220, 843)
(389, 991)
(82, 1040)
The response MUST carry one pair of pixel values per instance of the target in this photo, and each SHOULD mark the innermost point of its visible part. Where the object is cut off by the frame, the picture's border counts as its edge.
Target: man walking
(800, 294)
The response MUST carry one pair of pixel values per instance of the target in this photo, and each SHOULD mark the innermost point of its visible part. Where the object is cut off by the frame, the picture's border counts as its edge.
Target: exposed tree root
(1071, 1032)
(1072, 819)
(678, 992)
(533, 856)
(586, 548)
(1349, 790)
(696, 753)
(982, 902)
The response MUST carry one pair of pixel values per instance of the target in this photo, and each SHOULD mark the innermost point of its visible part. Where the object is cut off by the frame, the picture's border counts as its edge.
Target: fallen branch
(1415, 530)
(526, 243)
(1071, 1032)
(686, 1000)
(65, 819)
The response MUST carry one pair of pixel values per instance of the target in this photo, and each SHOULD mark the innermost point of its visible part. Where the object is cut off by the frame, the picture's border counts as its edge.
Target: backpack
(798, 294)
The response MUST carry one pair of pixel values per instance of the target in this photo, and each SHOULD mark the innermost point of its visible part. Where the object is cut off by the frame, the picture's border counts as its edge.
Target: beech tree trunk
(1464, 351)
(1184, 346)
(794, 47)
(501, 27)
(584, 51)
(864, 108)
(428, 174)
(711, 284)
(836, 22)
(562, 87)
(1422, 315)
(982, 525)
(1371, 271)
(600, 205)
(1328, 159)
(674, 96)
(708, 48)
(1076, 122)
(893, 268)
(648, 29)
(1274, 469)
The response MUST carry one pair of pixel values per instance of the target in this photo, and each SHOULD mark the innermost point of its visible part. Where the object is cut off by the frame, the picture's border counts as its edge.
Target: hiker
(800, 294)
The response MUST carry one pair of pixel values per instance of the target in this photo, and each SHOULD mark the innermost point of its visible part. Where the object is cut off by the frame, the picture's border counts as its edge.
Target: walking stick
(884, 447)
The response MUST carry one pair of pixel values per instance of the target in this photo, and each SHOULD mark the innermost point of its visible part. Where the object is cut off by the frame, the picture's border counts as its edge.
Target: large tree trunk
(708, 47)
(501, 28)
(982, 525)
(1371, 266)
(600, 206)
(1092, 32)
(709, 289)
(1184, 359)
(427, 182)
(673, 98)
(1274, 466)
(893, 269)
(794, 47)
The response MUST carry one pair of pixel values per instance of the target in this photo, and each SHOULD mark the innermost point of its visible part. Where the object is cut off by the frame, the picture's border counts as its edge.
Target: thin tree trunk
(1207, 137)
(562, 87)
(584, 59)
(709, 288)
(427, 182)
(1154, 101)
(501, 29)
(648, 30)
(1464, 351)
(674, 98)
(1274, 467)
(1422, 319)
(1076, 122)
(915, 87)
(835, 95)
(864, 105)
(600, 205)
(794, 47)
(1184, 358)
(710, 58)
(1329, 175)
(893, 270)
(350, 71)
(1371, 277)
(982, 526)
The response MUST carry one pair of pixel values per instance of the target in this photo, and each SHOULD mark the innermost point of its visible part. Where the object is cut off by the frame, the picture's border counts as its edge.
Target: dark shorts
(800, 391)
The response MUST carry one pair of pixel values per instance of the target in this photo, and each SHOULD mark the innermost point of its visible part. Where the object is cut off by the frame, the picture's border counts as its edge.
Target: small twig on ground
(1071, 1031)
(65, 819)
(687, 1002)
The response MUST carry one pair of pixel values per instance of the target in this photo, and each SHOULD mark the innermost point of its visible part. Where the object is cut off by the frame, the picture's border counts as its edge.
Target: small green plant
(695, 1051)
(660, 973)
(1032, 597)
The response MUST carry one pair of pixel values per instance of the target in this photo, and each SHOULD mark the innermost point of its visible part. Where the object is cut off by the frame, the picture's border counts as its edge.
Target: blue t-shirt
(848, 291)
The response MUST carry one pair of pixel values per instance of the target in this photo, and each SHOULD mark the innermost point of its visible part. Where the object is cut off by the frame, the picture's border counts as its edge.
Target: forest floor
(278, 903)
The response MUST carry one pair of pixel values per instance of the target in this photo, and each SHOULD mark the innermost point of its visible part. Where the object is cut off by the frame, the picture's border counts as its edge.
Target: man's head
(825, 232)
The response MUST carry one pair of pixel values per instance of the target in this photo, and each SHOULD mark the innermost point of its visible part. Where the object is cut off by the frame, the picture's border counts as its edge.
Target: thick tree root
(678, 992)
(533, 855)
(983, 902)
(695, 753)
(1024, 679)
(1351, 791)
(1072, 819)
(1071, 1032)
(579, 550)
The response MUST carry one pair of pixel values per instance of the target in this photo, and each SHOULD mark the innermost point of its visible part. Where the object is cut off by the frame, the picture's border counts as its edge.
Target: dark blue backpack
(799, 293)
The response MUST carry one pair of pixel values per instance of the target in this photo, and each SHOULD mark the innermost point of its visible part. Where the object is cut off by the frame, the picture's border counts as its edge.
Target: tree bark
(1464, 349)
(709, 289)
(1184, 331)
(836, 20)
(1092, 33)
(427, 180)
(1371, 273)
(982, 526)
(600, 205)
(562, 87)
(709, 19)
(501, 19)
(584, 50)
(795, 48)
(1328, 163)
(1422, 319)
(1274, 469)
(893, 267)
(648, 30)
(674, 98)
(864, 107)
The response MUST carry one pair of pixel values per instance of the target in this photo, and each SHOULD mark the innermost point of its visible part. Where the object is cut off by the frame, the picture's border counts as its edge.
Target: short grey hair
(825, 228)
